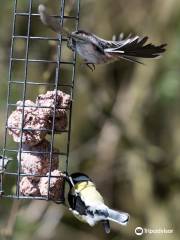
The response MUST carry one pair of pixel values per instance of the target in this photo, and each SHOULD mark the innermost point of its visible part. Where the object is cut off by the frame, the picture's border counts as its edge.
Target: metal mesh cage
(22, 87)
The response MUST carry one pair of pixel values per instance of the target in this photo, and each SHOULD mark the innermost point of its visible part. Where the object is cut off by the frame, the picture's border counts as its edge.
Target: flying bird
(87, 204)
(95, 50)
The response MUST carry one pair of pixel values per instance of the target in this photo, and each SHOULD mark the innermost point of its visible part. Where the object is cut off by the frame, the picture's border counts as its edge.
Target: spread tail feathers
(118, 217)
(136, 47)
(51, 22)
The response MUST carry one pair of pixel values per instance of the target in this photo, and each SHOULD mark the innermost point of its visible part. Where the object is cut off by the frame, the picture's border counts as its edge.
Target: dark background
(125, 126)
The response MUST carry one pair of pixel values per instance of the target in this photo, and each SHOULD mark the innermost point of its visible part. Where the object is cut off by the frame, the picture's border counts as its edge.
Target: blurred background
(125, 122)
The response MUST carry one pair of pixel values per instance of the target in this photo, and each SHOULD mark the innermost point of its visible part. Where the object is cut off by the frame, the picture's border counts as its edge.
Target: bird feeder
(32, 123)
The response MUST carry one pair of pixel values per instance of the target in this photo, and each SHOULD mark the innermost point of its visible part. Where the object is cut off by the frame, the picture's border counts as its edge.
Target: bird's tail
(118, 217)
(132, 48)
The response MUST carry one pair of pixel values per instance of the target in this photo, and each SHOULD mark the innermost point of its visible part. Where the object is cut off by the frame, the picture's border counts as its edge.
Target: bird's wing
(80, 206)
(133, 47)
(116, 42)
(77, 204)
(51, 22)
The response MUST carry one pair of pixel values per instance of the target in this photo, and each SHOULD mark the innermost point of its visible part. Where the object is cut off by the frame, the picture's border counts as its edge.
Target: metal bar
(40, 83)
(24, 95)
(39, 38)
(72, 92)
(24, 106)
(27, 175)
(58, 68)
(40, 60)
(35, 129)
(37, 15)
(35, 152)
(8, 93)
(25, 82)
(30, 198)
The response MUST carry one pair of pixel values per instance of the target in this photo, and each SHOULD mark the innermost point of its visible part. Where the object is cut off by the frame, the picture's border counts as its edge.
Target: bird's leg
(68, 178)
(91, 66)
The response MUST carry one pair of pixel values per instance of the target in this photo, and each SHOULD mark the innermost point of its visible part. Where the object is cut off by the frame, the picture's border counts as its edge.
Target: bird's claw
(91, 66)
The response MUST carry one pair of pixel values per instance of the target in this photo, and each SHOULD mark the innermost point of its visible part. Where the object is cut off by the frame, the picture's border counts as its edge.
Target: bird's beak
(68, 179)
(65, 176)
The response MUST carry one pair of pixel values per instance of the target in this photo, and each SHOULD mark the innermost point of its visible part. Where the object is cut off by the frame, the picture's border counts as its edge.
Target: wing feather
(51, 22)
(134, 47)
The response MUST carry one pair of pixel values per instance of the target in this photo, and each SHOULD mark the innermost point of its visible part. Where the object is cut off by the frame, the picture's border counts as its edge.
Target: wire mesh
(22, 84)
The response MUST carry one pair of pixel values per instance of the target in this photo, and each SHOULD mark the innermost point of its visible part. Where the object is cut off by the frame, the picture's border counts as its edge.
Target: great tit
(95, 50)
(87, 204)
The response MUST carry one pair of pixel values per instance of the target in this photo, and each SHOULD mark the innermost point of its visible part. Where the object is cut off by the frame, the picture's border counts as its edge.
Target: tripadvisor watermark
(140, 231)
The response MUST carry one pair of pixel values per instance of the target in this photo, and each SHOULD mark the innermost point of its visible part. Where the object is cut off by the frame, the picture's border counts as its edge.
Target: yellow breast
(88, 192)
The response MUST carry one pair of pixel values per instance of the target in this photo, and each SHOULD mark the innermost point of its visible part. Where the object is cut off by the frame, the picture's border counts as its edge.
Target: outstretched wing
(129, 48)
(134, 47)
(51, 22)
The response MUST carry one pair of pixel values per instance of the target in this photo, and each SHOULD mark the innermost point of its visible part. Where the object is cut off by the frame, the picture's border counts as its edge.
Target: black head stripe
(79, 177)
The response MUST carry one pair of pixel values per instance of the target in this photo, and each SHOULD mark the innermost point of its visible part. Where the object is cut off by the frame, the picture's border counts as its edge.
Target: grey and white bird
(3, 163)
(87, 204)
(95, 50)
